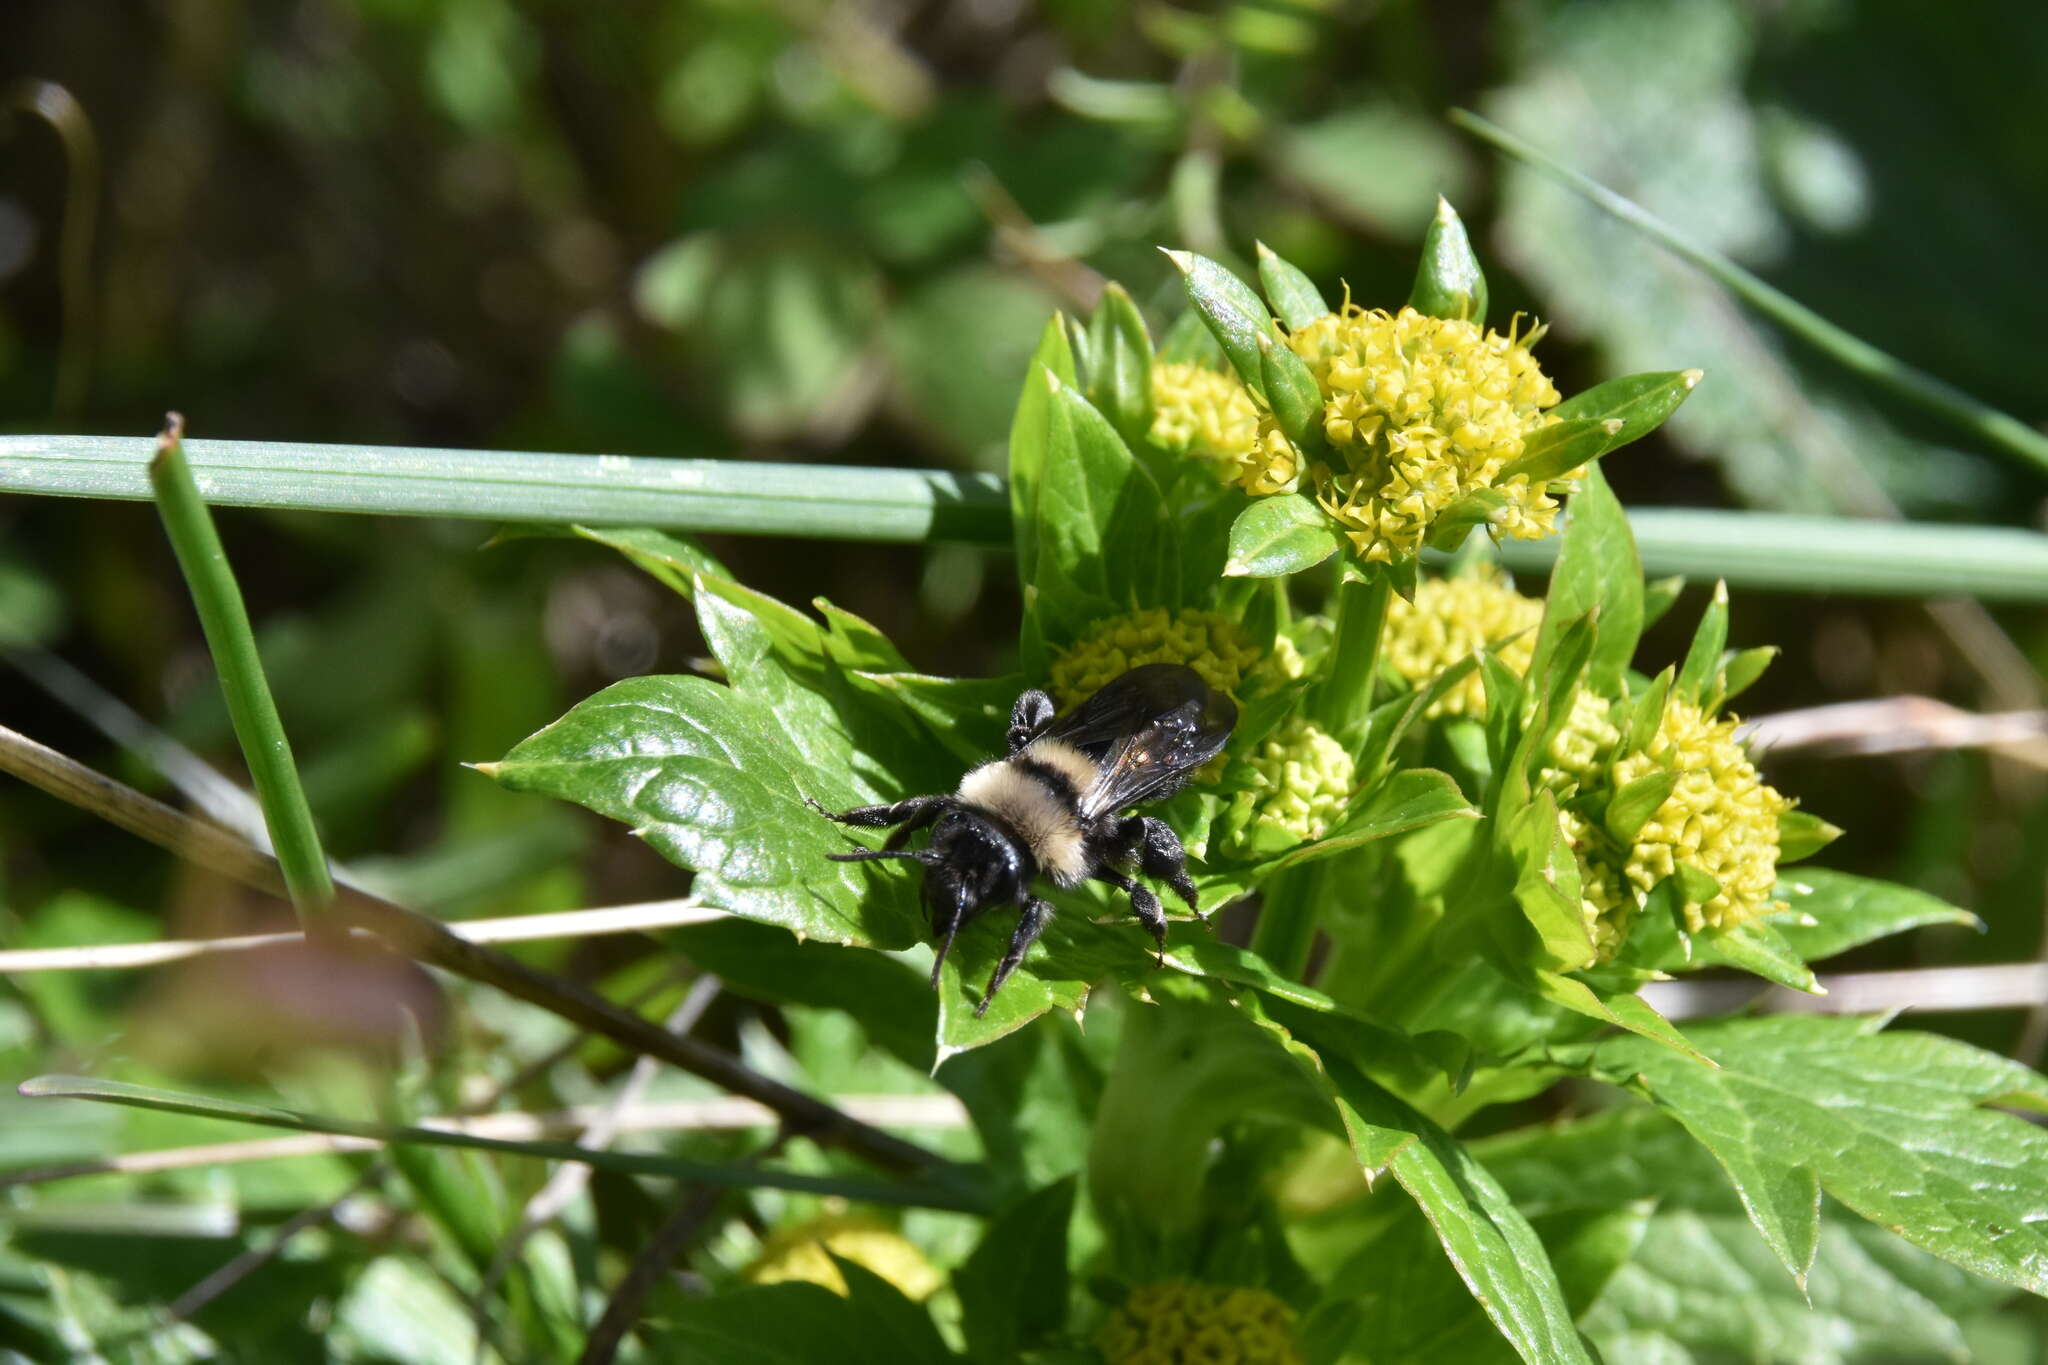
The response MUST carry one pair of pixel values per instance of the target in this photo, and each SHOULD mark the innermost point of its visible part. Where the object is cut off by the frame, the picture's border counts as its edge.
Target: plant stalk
(224, 618)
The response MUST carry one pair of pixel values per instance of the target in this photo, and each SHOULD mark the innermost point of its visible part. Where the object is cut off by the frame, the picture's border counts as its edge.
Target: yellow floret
(1178, 1323)
(1419, 412)
(1450, 619)
(1720, 818)
(1304, 779)
(1207, 641)
(1203, 413)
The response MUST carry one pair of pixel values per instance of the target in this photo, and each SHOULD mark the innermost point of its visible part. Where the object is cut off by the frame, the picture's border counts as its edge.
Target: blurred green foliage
(829, 232)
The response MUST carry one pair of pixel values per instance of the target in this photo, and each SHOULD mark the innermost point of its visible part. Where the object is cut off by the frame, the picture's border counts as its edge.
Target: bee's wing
(1147, 730)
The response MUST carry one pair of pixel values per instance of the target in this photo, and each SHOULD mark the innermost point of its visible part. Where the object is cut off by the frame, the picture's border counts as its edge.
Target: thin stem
(225, 620)
(433, 943)
(1999, 430)
(960, 1198)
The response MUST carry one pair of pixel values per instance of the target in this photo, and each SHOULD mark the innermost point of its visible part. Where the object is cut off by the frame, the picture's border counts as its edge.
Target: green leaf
(1188, 341)
(1448, 280)
(1098, 516)
(1407, 800)
(1640, 402)
(1038, 986)
(1703, 659)
(1556, 450)
(1120, 364)
(1635, 803)
(1596, 567)
(673, 558)
(1739, 670)
(1833, 912)
(1646, 713)
(1547, 884)
(1894, 1125)
(1801, 834)
(1659, 596)
(1294, 296)
(1013, 1288)
(1293, 394)
(709, 779)
(1757, 947)
(788, 1324)
(1030, 438)
(887, 1319)
(1280, 535)
(966, 715)
(1495, 1251)
(1234, 313)
(1623, 1009)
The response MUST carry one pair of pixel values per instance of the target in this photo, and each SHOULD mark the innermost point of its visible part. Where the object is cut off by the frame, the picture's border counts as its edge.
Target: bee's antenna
(868, 855)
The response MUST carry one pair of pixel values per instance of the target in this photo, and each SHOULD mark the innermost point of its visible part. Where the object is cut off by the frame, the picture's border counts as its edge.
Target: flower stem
(225, 621)
(1344, 701)
(1293, 900)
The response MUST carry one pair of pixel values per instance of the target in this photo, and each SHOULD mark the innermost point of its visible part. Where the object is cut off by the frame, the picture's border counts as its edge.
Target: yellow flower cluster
(1419, 412)
(1304, 777)
(1207, 641)
(1720, 818)
(1449, 619)
(1177, 1323)
(804, 1251)
(1198, 411)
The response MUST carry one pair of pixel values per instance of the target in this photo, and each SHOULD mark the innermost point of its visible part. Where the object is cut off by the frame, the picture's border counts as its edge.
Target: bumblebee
(1054, 808)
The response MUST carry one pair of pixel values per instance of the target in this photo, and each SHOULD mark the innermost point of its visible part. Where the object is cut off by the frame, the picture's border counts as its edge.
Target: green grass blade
(1999, 430)
(1752, 550)
(225, 620)
(955, 1196)
(756, 497)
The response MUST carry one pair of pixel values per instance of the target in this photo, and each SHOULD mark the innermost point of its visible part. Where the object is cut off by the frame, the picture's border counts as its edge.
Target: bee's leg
(1160, 855)
(921, 809)
(1032, 713)
(1030, 924)
(1143, 903)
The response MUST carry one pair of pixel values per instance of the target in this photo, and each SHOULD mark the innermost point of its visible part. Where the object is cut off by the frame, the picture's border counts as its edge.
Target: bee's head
(972, 863)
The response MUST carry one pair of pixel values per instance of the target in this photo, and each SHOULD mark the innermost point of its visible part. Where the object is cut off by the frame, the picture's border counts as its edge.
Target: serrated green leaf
(1294, 296)
(886, 1318)
(1891, 1124)
(1013, 1288)
(669, 556)
(1623, 1009)
(1120, 364)
(1846, 912)
(1495, 1251)
(1045, 982)
(1640, 402)
(1635, 803)
(1280, 535)
(1235, 315)
(1407, 800)
(1801, 834)
(1703, 659)
(1597, 566)
(707, 777)
(1293, 395)
(1448, 280)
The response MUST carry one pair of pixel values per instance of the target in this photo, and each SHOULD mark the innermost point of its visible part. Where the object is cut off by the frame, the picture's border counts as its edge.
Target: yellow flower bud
(1179, 1323)
(1419, 412)
(1304, 778)
(1207, 641)
(1451, 618)
(1202, 413)
(800, 1252)
(1720, 818)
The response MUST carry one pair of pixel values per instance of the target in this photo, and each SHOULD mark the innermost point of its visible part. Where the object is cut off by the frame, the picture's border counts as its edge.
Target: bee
(1054, 808)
